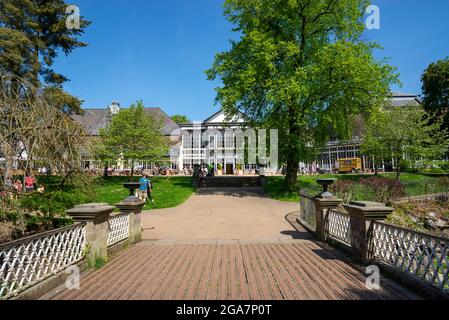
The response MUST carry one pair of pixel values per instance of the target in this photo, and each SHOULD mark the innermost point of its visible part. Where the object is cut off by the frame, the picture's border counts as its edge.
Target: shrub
(382, 189)
(445, 166)
(56, 202)
(12, 224)
(409, 166)
(444, 183)
(344, 189)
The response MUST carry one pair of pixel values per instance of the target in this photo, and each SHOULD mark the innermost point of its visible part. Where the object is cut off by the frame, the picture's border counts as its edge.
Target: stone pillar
(96, 216)
(362, 213)
(133, 206)
(322, 206)
(324, 202)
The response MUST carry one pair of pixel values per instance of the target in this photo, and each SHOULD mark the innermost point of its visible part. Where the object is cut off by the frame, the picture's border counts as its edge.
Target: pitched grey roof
(400, 99)
(169, 124)
(95, 119)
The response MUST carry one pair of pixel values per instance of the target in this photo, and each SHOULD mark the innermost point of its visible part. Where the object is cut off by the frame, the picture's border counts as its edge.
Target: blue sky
(158, 51)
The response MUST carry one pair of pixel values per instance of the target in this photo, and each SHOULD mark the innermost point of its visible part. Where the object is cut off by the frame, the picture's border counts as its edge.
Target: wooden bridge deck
(297, 270)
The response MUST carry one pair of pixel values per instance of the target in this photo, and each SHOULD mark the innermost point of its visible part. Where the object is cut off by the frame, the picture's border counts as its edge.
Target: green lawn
(168, 192)
(415, 184)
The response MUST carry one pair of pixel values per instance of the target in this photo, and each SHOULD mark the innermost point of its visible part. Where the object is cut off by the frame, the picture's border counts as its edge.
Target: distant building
(221, 147)
(337, 149)
(95, 119)
(189, 148)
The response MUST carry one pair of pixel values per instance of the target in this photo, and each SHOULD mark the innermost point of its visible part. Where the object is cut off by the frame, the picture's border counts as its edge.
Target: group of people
(311, 169)
(145, 191)
(30, 184)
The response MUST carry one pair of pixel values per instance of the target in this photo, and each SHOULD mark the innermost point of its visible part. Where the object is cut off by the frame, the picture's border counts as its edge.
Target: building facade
(335, 150)
(93, 120)
(212, 142)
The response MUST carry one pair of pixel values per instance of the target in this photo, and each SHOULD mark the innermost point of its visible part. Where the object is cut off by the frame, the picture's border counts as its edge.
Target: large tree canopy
(300, 66)
(404, 132)
(32, 34)
(180, 118)
(35, 133)
(436, 91)
(133, 135)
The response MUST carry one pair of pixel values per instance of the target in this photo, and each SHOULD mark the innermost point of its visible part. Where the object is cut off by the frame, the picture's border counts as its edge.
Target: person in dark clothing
(150, 190)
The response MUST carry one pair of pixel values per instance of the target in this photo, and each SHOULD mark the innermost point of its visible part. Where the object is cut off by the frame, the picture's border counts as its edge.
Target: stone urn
(325, 183)
(132, 187)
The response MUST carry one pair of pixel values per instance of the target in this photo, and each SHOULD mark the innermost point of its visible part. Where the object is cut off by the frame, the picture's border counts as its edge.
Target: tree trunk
(9, 162)
(132, 171)
(292, 173)
(64, 179)
(105, 172)
(398, 168)
(292, 152)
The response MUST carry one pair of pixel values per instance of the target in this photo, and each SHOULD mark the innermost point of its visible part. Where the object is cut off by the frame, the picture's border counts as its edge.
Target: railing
(307, 213)
(416, 253)
(118, 228)
(26, 262)
(337, 226)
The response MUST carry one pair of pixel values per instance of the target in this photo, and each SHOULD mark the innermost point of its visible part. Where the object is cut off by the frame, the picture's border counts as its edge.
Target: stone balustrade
(415, 259)
(33, 266)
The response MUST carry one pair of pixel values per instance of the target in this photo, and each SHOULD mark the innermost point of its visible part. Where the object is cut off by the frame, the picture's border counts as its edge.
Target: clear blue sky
(158, 51)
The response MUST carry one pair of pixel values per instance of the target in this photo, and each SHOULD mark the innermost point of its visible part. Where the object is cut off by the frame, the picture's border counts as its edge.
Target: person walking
(142, 192)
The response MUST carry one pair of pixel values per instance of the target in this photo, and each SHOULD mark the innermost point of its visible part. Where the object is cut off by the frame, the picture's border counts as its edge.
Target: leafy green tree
(32, 35)
(133, 135)
(101, 153)
(404, 132)
(301, 67)
(436, 91)
(180, 118)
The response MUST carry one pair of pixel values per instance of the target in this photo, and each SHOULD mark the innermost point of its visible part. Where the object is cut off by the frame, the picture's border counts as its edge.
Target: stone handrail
(419, 254)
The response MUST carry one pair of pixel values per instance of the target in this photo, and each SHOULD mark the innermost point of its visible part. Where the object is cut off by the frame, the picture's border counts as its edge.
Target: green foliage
(409, 166)
(99, 262)
(32, 35)
(168, 192)
(436, 91)
(77, 189)
(415, 185)
(135, 136)
(58, 98)
(378, 189)
(403, 131)
(15, 223)
(301, 67)
(180, 118)
(56, 202)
